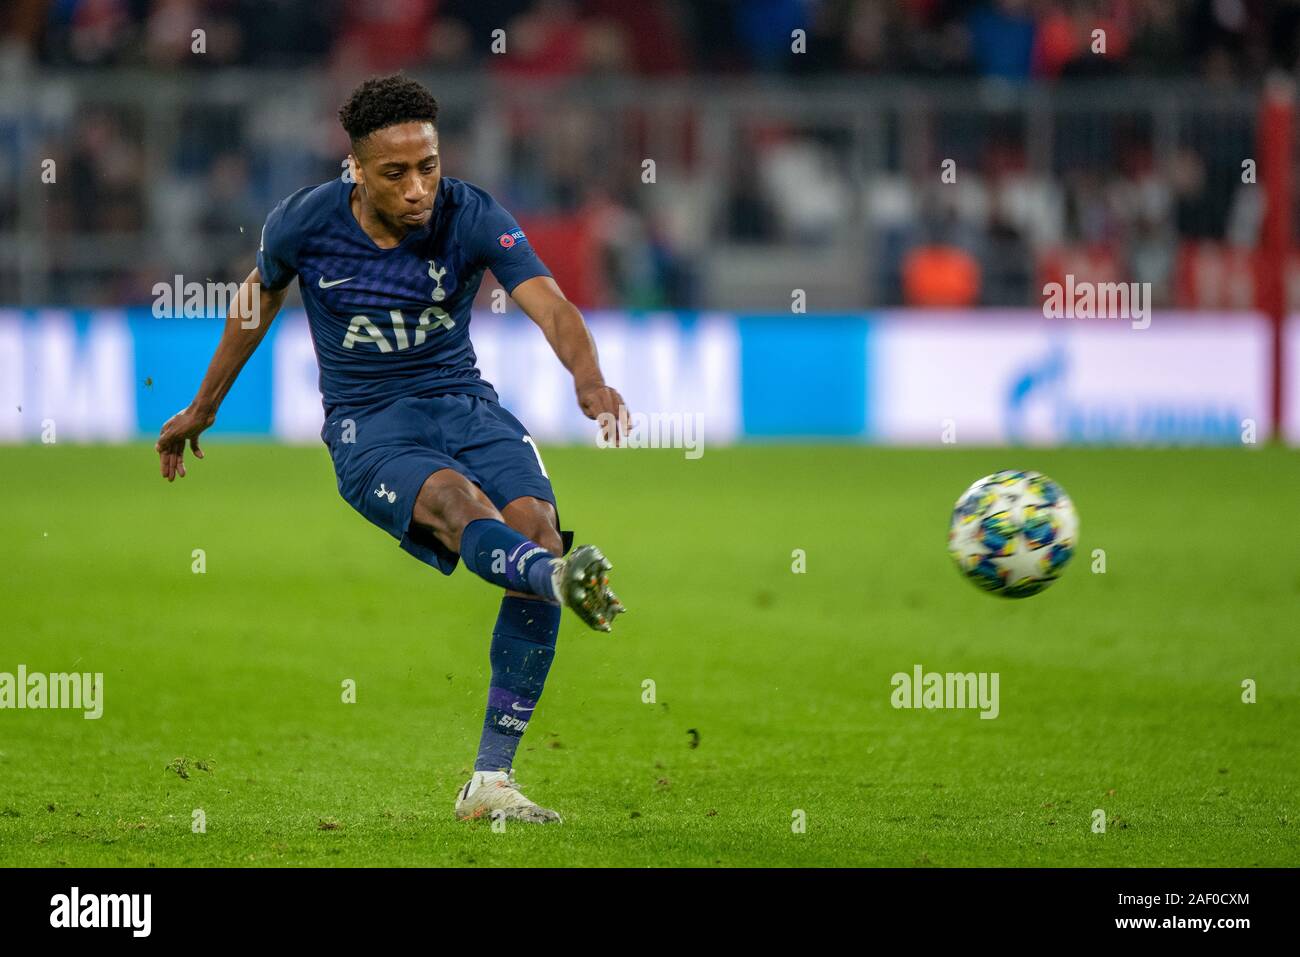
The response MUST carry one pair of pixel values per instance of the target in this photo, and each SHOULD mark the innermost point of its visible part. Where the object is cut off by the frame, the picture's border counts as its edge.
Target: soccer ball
(1013, 533)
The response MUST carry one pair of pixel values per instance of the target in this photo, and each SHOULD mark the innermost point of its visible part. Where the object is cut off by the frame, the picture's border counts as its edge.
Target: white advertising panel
(659, 364)
(990, 378)
(63, 380)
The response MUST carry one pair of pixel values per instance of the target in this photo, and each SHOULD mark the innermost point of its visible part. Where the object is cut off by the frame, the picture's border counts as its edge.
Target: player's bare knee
(541, 529)
(548, 536)
(535, 519)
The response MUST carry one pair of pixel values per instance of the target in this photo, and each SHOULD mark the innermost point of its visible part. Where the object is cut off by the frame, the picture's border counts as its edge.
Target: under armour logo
(436, 274)
(385, 493)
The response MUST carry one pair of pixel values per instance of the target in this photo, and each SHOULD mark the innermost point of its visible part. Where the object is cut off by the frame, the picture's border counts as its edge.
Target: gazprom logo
(509, 239)
(1046, 402)
(1036, 398)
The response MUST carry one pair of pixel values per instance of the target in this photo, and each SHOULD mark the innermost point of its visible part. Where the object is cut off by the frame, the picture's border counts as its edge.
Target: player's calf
(463, 518)
(535, 519)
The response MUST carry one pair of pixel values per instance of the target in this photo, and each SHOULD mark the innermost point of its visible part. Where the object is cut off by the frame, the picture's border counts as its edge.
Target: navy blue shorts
(383, 456)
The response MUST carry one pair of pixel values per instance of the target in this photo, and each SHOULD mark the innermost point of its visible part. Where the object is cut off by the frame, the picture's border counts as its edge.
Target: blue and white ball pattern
(1013, 533)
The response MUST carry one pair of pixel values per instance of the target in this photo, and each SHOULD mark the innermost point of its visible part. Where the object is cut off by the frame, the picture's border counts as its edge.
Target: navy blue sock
(523, 644)
(495, 552)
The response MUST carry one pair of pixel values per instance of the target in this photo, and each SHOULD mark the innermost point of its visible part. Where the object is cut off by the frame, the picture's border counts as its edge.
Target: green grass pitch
(1119, 691)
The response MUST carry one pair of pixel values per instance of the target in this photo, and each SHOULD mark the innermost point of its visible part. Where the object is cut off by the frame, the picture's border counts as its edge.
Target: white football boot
(495, 794)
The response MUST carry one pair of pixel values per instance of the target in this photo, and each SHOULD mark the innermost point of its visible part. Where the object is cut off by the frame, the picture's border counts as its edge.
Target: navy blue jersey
(393, 322)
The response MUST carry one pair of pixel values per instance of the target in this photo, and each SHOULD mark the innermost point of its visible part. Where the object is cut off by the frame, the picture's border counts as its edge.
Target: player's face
(399, 170)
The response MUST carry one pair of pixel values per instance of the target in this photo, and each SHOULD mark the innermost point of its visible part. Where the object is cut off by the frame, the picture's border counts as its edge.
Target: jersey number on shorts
(538, 453)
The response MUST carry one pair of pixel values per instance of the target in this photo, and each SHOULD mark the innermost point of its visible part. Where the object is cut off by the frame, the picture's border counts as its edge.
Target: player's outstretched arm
(249, 317)
(567, 332)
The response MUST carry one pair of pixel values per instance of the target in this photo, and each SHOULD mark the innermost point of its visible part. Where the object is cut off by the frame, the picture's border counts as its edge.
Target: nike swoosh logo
(515, 706)
(334, 282)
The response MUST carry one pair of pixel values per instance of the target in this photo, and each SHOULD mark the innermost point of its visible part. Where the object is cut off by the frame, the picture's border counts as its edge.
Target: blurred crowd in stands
(1015, 39)
(1111, 200)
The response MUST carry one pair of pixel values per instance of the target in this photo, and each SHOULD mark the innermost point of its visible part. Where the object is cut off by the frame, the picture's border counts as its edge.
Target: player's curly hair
(383, 101)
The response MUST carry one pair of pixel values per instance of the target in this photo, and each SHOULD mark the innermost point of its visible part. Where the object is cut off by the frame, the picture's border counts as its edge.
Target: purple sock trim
(504, 699)
(528, 569)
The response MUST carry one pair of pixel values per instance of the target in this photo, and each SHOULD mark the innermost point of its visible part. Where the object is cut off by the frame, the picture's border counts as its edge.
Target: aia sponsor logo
(509, 239)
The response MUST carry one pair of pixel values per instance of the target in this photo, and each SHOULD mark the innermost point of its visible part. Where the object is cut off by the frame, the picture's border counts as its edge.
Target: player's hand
(606, 406)
(182, 427)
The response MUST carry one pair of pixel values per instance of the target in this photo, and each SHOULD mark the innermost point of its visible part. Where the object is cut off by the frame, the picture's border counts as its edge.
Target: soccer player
(388, 269)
